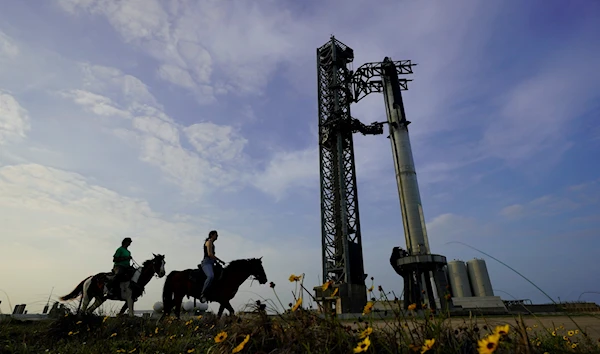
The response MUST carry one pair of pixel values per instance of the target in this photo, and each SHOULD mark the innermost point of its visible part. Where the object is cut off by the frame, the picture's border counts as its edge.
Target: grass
(294, 329)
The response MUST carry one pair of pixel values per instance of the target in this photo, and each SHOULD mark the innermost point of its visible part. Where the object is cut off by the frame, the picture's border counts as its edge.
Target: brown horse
(93, 287)
(224, 287)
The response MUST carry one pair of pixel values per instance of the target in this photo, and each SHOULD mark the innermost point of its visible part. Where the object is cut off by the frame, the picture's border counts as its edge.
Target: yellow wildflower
(502, 330)
(363, 346)
(335, 291)
(241, 345)
(574, 345)
(191, 350)
(105, 318)
(78, 322)
(113, 335)
(489, 344)
(571, 333)
(221, 337)
(298, 303)
(427, 345)
(368, 308)
(411, 307)
(371, 288)
(133, 350)
(294, 278)
(326, 285)
(367, 332)
(156, 330)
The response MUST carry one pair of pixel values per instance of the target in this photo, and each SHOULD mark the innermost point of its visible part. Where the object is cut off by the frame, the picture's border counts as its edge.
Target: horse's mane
(239, 263)
(148, 262)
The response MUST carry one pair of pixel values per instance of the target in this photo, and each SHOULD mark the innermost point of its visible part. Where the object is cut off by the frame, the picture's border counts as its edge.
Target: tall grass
(295, 328)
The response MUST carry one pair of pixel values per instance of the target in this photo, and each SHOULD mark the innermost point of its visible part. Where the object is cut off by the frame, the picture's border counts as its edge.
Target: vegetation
(294, 330)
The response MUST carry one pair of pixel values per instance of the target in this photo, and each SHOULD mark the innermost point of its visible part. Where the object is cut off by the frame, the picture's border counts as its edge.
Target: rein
(142, 267)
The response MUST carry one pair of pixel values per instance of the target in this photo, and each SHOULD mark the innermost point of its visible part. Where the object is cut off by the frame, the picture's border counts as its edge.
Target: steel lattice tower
(338, 87)
(340, 222)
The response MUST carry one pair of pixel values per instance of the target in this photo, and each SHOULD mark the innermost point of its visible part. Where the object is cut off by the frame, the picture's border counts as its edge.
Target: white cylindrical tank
(459, 279)
(479, 277)
(189, 306)
(158, 307)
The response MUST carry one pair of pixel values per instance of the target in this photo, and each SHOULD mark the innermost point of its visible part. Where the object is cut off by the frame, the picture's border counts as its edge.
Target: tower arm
(371, 129)
(362, 83)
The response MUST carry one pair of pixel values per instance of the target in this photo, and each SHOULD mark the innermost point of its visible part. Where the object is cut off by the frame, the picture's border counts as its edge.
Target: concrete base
(350, 298)
(479, 302)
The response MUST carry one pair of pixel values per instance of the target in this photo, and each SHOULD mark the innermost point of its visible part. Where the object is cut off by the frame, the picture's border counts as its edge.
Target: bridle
(154, 265)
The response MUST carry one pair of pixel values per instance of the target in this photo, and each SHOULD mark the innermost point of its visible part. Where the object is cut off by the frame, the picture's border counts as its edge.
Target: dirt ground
(589, 324)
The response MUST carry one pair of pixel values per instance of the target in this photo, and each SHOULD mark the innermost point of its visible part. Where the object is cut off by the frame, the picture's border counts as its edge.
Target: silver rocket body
(415, 230)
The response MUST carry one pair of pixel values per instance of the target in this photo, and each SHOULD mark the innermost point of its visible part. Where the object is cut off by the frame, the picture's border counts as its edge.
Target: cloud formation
(14, 120)
(164, 120)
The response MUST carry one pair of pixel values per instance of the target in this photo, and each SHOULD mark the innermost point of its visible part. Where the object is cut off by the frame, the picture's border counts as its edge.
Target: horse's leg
(85, 297)
(178, 299)
(229, 308)
(97, 302)
(221, 308)
(123, 308)
(130, 302)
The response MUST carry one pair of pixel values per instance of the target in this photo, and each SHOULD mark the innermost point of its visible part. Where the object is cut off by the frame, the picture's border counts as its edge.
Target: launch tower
(338, 87)
(340, 222)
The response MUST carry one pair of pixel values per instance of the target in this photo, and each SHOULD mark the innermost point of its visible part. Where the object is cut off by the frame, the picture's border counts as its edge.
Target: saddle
(115, 281)
(197, 276)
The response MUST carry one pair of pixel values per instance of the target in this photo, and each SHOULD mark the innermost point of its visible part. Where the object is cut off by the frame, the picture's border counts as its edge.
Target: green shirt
(122, 252)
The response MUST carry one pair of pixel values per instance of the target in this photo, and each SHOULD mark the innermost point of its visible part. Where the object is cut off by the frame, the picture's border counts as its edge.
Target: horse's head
(257, 270)
(158, 265)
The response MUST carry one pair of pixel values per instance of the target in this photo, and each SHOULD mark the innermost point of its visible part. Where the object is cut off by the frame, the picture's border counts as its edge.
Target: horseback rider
(122, 264)
(209, 261)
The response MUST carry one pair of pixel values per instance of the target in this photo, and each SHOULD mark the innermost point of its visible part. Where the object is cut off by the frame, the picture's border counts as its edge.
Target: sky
(163, 120)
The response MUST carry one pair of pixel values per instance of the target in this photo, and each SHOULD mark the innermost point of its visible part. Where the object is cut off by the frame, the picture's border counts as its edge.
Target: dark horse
(224, 287)
(94, 286)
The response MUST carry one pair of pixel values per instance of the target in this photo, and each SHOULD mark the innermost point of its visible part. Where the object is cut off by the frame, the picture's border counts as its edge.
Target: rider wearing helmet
(209, 261)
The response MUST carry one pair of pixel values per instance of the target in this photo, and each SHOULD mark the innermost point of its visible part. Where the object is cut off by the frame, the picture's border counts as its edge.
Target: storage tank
(189, 306)
(459, 279)
(479, 277)
(185, 306)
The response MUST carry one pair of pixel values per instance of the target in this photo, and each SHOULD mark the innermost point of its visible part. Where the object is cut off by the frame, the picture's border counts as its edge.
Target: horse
(224, 287)
(93, 287)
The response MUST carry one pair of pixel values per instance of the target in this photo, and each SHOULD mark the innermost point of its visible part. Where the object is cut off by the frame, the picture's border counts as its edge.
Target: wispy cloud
(570, 199)
(163, 120)
(14, 119)
(8, 49)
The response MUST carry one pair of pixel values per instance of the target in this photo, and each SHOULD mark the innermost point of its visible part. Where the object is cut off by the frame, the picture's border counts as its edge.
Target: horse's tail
(76, 292)
(167, 294)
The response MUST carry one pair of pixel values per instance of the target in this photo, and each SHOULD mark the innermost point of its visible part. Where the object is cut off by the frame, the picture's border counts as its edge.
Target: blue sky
(162, 120)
